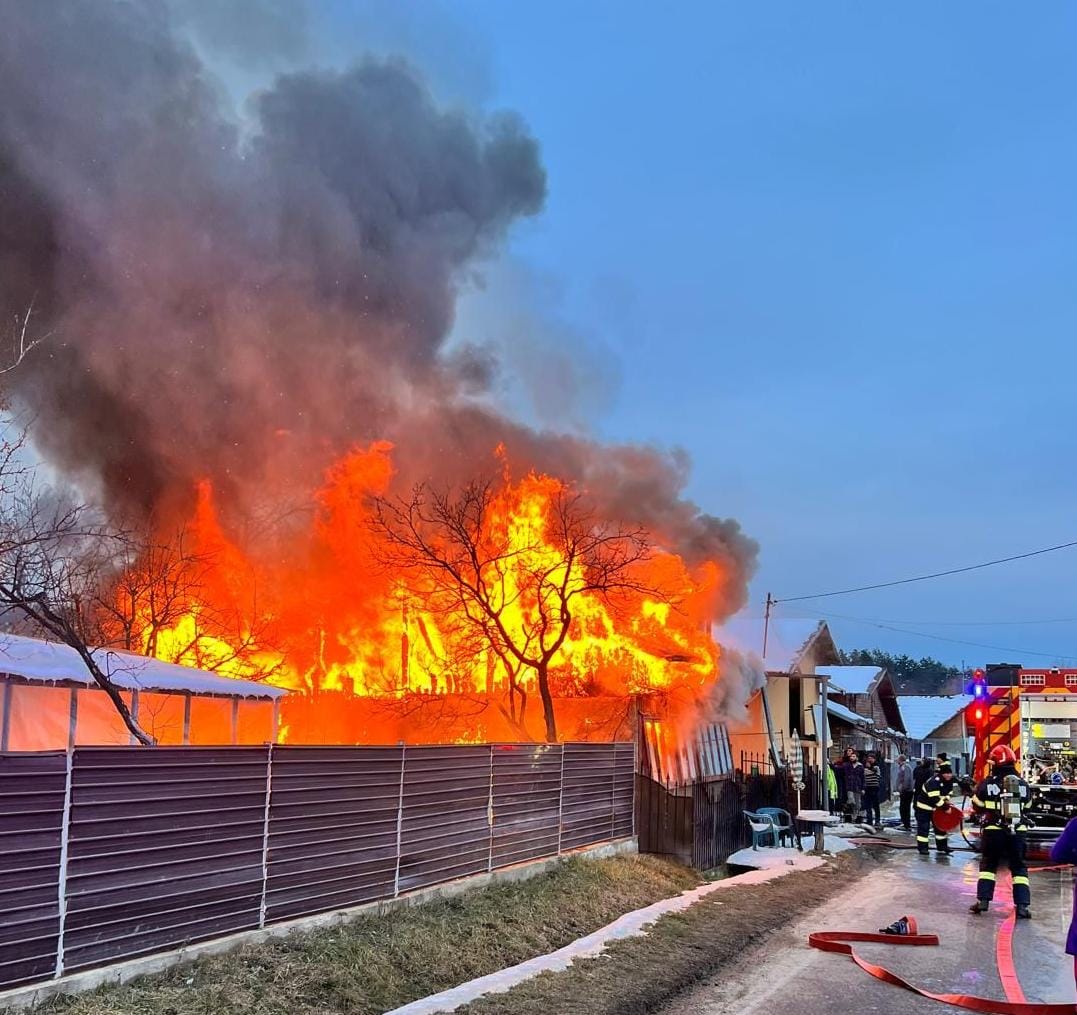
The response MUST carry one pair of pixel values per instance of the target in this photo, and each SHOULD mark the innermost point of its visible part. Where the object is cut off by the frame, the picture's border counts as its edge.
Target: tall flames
(325, 612)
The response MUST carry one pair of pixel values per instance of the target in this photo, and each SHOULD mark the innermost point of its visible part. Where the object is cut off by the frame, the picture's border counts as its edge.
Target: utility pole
(766, 623)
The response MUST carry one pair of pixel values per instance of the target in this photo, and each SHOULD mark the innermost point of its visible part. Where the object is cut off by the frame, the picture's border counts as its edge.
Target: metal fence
(112, 853)
(703, 824)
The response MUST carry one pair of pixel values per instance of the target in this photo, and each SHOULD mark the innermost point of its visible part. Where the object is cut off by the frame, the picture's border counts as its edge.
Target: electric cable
(928, 577)
(954, 641)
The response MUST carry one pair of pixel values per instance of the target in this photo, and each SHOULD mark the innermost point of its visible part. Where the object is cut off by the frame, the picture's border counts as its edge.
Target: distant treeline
(910, 676)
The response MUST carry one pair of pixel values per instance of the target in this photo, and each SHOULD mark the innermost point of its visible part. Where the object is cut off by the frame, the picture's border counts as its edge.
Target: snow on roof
(850, 679)
(46, 662)
(787, 639)
(925, 713)
(833, 708)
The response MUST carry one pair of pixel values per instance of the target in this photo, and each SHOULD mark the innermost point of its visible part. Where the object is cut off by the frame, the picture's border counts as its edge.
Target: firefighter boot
(979, 906)
(1024, 913)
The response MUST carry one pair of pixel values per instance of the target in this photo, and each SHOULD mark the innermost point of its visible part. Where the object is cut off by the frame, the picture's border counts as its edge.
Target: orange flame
(325, 618)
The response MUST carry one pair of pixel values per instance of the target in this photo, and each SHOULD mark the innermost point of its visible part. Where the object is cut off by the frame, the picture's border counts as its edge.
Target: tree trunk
(113, 693)
(543, 671)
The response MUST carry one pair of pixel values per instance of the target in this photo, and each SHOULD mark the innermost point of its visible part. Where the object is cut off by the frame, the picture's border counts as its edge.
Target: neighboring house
(849, 729)
(794, 651)
(869, 692)
(936, 724)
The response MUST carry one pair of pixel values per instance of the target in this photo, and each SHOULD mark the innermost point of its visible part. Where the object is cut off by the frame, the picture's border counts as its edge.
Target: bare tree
(516, 586)
(158, 600)
(53, 549)
(52, 553)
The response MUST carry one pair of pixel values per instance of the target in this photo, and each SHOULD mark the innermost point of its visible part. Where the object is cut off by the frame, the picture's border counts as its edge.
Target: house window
(927, 749)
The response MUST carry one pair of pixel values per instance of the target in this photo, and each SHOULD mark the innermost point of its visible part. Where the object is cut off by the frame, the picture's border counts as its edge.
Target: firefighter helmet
(1002, 755)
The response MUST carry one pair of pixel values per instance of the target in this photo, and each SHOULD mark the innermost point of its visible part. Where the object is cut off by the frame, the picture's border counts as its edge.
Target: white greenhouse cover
(46, 662)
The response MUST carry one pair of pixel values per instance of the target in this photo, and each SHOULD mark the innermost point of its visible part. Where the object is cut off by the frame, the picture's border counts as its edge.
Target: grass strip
(640, 974)
(376, 963)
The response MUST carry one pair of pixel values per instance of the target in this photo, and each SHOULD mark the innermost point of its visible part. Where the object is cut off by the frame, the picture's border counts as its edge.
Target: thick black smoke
(243, 298)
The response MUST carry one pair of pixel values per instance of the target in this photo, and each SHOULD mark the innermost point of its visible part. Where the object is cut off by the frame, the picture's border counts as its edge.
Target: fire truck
(1033, 712)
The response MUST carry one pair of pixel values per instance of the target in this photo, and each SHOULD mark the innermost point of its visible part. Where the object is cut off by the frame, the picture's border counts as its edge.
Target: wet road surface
(784, 975)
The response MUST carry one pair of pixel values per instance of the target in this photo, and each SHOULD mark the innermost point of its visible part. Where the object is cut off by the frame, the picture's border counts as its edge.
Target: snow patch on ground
(787, 857)
(629, 925)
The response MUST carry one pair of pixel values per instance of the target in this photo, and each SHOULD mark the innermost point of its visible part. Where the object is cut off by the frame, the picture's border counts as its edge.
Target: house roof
(33, 661)
(841, 712)
(788, 639)
(925, 713)
(851, 679)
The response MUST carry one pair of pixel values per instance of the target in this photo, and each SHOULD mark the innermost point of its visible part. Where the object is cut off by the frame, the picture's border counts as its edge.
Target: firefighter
(999, 802)
(932, 796)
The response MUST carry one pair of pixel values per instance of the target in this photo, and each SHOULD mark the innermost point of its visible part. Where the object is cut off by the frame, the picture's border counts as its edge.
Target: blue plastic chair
(783, 822)
(763, 828)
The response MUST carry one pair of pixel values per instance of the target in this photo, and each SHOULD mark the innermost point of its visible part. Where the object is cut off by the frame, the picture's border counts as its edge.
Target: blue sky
(828, 249)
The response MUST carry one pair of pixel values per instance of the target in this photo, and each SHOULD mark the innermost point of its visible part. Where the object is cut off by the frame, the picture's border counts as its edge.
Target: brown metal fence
(32, 792)
(113, 853)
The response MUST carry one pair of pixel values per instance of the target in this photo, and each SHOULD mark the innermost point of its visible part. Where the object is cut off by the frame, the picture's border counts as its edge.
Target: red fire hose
(1015, 1003)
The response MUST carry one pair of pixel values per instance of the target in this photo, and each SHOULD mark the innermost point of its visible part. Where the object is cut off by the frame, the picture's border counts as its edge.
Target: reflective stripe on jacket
(934, 793)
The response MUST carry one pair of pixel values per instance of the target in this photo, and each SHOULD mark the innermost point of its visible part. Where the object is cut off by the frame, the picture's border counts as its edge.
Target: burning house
(248, 354)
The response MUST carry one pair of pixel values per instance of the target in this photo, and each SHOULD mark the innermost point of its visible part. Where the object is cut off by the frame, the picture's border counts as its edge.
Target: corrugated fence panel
(332, 828)
(32, 788)
(590, 772)
(165, 847)
(445, 827)
(527, 797)
(624, 789)
(172, 845)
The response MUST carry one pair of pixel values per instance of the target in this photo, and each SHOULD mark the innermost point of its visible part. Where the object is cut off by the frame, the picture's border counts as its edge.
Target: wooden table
(817, 821)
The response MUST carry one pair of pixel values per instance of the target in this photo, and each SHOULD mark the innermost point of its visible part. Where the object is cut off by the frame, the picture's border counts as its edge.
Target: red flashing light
(976, 714)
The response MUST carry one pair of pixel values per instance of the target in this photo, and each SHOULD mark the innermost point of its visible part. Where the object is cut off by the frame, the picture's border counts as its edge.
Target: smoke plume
(244, 297)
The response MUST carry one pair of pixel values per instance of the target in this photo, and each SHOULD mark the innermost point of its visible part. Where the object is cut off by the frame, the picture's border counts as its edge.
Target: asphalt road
(784, 975)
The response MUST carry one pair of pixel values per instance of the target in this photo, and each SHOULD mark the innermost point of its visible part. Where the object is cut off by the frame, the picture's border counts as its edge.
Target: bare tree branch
(515, 584)
(22, 342)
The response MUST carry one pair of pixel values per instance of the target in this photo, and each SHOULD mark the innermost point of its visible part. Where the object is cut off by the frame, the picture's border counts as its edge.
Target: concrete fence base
(25, 997)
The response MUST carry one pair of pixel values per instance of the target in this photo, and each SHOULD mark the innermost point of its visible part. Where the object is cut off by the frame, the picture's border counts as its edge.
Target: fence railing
(113, 853)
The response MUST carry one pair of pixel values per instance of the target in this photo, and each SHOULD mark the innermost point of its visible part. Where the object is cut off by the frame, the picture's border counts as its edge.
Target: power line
(954, 641)
(957, 623)
(927, 577)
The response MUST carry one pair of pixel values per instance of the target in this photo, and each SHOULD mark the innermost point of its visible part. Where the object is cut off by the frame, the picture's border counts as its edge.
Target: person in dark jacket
(1065, 851)
(854, 783)
(923, 771)
(934, 795)
(906, 790)
(873, 784)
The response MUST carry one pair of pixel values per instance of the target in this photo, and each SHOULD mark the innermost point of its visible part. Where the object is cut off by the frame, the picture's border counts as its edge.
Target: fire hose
(906, 932)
